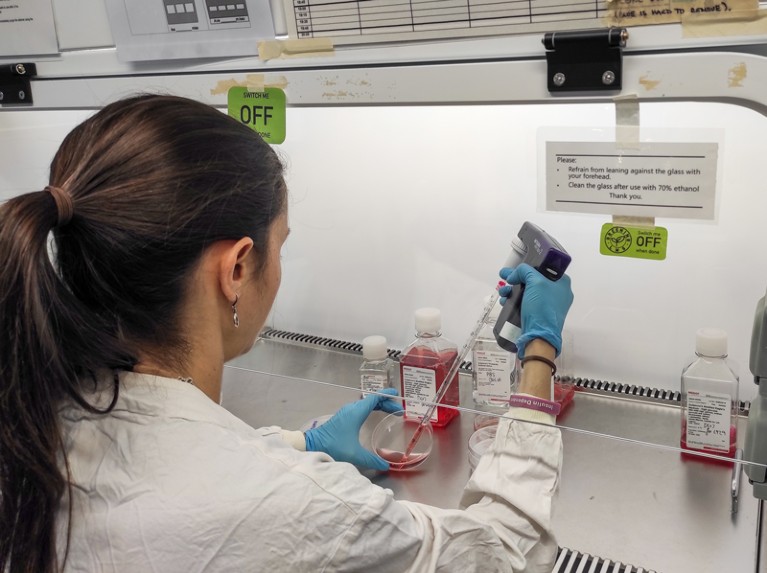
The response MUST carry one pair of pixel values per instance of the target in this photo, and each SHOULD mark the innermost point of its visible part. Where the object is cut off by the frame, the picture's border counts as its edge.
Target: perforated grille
(569, 561)
(588, 384)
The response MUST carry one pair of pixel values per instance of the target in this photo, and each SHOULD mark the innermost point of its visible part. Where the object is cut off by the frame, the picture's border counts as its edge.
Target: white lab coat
(171, 482)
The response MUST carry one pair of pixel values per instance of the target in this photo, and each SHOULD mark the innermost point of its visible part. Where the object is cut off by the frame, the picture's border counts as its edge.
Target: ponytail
(42, 328)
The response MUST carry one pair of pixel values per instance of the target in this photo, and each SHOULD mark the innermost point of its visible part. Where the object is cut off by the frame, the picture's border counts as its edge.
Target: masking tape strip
(254, 83)
(736, 23)
(272, 49)
(627, 136)
(629, 221)
(694, 12)
(627, 121)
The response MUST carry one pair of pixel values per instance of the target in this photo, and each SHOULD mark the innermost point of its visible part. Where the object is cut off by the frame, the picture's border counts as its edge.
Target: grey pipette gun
(533, 247)
(542, 252)
(755, 448)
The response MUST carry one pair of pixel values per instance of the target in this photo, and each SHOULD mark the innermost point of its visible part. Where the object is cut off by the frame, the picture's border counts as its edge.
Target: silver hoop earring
(235, 316)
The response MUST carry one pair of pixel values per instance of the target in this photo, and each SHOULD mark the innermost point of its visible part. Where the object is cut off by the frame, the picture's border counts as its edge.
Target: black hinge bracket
(585, 60)
(15, 87)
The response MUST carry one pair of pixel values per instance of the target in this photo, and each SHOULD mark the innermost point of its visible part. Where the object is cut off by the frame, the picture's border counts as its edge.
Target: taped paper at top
(643, 12)
(295, 48)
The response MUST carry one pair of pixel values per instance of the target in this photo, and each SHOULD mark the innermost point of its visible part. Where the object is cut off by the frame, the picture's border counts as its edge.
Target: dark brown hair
(154, 180)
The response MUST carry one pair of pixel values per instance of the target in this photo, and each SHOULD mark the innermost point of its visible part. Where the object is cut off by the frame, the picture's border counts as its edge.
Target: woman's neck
(201, 370)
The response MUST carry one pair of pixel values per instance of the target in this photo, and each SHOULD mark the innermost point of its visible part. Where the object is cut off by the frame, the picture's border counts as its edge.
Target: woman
(168, 218)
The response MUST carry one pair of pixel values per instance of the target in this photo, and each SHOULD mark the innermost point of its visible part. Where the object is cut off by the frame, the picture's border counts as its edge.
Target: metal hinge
(585, 60)
(15, 87)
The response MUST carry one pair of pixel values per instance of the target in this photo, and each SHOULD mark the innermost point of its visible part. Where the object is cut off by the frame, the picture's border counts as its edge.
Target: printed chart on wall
(362, 21)
(172, 29)
(659, 179)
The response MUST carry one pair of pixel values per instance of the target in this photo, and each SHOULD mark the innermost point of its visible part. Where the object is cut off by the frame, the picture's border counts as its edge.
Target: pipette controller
(548, 257)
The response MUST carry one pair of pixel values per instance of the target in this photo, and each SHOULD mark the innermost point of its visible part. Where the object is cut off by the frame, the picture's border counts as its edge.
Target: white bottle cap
(428, 320)
(374, 347)
(711, 342)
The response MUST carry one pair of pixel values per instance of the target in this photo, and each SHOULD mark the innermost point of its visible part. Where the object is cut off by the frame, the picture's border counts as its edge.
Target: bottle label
(708, 420)
(419, 384)
(373, 382)
(492, 372)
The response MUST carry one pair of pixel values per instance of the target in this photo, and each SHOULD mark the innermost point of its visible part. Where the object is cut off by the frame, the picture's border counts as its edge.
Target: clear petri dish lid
(479, 442)
(392, 436)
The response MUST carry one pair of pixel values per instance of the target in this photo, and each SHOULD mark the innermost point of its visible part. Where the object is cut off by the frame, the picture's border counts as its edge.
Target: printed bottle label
(708, 420)
(492, 372)
(373, 382)
(419, 384)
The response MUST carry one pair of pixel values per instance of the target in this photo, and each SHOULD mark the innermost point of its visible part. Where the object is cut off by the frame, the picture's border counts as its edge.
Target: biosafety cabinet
(418, 138)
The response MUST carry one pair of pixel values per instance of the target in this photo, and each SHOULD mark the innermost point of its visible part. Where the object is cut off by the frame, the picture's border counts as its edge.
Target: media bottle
(377, 369)
(423, 367)
(494, 369)
(710, 397)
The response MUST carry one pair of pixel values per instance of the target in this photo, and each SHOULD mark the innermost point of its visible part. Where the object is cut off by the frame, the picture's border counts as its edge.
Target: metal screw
(20, 69)
(608, 78)
(22, 94)
(559, 79)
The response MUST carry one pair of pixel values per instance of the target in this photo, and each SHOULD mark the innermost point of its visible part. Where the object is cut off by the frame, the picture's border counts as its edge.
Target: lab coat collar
(155, 396)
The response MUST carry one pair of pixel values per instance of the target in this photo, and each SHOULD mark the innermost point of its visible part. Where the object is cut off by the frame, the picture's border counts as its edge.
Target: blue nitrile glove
(339, 437)
(544, 305)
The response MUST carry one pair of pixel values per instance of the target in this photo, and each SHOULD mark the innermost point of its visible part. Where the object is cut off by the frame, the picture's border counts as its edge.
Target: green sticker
(263, 111)
(635, 242)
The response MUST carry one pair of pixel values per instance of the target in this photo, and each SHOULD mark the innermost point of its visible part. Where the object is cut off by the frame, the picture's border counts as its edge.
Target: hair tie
(64, 205)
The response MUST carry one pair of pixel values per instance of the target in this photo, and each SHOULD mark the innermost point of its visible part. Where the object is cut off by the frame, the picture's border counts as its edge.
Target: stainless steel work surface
(620, 499)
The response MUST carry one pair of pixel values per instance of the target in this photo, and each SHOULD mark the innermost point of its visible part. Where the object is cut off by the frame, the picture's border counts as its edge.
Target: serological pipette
(516, 256)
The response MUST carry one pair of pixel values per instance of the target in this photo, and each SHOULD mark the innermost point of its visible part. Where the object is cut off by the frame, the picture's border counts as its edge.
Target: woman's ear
(235, 266)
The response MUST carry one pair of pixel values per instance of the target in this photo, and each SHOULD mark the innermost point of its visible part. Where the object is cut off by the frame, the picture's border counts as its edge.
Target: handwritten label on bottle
(708, 420)
(373, 382)
(419, 384)
(493, 375)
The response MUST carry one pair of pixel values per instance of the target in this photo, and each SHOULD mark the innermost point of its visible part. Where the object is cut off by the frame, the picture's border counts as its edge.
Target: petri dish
(563, 393)
(392, 436)
(479, 442)
(484, 420)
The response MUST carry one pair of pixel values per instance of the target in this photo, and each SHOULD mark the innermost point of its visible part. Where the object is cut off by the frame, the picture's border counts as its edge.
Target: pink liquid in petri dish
(398, 461)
